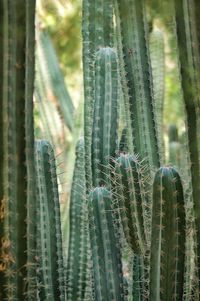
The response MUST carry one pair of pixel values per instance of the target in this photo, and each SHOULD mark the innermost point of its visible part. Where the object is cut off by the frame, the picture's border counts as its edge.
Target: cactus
(49, 238)
(187, 25)
(130, 195)
(18, 206)
(139, 79)
(168, 237)
(106, 257)
(97, 29)
(77, 267)
(105, 120)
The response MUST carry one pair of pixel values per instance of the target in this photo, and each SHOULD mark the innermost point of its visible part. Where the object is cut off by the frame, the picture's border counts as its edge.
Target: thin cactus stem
(49, 237)
(77, 267)
(97, 31)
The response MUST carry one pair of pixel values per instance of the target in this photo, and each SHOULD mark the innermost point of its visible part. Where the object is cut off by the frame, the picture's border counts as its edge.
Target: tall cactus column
(187, 24)
(97, 31)
(168, 237)
(77, 264)
(49, 239)
(17, 256)
(139, 79)
(105, 119)
(106, 257)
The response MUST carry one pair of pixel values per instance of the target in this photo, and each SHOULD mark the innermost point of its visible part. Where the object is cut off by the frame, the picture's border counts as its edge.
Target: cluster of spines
(106, 255)
(105, 116)
(168, 237)
(77, 267)
(49, 239)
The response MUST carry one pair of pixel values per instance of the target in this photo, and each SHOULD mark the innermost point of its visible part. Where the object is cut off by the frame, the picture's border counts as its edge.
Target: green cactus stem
(105, 122)
(188, 26)
(97, 31)
(131, 201)
(106, 257)
(49, 238)
(139, 79)
(168, 237)
(18, 275)
(77, 267)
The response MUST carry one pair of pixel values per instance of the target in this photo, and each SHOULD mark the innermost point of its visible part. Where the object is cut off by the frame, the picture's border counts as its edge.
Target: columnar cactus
(77, 266)
(167, 237)
(97, 30)
(105, 119)
(187, 25)
(139, 79)
(18, 201)
(106, 257)
(49, 239)
(130, 195)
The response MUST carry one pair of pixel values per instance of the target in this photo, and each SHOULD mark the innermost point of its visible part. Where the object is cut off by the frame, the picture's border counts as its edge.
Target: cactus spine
(107, 266)
(168, 237)
(105, 120)
(49, 238)
(77, 267)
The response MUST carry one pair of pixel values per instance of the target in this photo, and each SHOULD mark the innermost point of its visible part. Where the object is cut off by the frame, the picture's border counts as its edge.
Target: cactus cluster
(134, 227)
